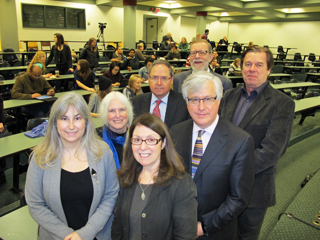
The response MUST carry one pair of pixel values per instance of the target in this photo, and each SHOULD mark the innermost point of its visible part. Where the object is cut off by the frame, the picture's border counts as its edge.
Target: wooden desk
(18, 225)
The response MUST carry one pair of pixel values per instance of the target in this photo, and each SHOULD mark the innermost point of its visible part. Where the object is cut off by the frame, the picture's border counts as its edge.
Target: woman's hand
(71, 69)
(91, 90)
(1, 127)
(73, 236)
(117, 84)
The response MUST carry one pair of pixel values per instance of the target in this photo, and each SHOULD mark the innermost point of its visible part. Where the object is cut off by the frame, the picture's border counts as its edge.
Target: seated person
(131, 61)
(174, 54)
(215, 66)
(234, 67)
(250, 45)
(118, 55)
(166, 45)
(183, 45)
(223, 41)
(114, 74)
(216, 55)
(84, 76)
(40, 59)
(144, 71)
(32, 85)
(169, 35)
(134, 86)
(105, 87)
(138, 52)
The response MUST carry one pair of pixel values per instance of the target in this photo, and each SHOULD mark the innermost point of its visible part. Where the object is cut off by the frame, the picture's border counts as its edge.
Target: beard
(196, 67)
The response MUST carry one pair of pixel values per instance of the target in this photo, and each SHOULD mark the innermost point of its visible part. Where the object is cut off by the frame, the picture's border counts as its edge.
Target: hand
(117, 84)
(200, 230)
(153, 56)
(50, 92)
(218, 65)
(70, 69)
(129, 58)
(1, 127)
(35, 95)
(73, 236)
(48, 75)
(91, 90)
(143, 80)
(175, 59)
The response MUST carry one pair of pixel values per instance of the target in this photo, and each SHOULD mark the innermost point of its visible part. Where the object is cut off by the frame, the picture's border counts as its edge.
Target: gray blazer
(269, 121)
(180, 77)
(43, 198)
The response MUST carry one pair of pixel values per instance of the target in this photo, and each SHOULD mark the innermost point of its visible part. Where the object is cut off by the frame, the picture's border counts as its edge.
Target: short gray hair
(164, 62)
(104, 106)
(196, 82)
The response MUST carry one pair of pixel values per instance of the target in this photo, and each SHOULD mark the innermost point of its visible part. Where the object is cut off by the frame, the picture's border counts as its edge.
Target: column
(201, 22)
(129, 23)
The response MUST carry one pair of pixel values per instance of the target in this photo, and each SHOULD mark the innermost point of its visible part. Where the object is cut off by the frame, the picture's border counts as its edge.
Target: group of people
(195, 162)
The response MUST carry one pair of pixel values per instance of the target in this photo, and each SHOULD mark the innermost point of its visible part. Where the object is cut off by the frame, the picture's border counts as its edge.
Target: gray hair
(164, 62)
(202, 41)
(196, 82)
(104, 106)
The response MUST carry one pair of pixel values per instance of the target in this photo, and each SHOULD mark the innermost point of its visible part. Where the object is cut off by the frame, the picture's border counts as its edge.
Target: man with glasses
(200, 58)
(219, 157)
(32, 85)
(267, 115)
(161, 101)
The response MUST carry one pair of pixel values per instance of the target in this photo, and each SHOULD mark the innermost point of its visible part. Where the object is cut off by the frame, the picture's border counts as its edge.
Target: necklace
(143, 196)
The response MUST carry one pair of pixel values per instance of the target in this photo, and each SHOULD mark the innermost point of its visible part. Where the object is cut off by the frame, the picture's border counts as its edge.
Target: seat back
(33, 45)
(280, 49)
(149, 53)
(10, 58)
(297, 56)
(33, 122)
(155, 44)
(45, 44)
(7, 74)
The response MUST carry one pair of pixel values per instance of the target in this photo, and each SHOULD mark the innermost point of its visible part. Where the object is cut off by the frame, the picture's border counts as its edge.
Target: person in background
(166, 44)
(134, 86)
(250, 45)
(71, 187)
(183, 48)
(174, 54)
(62, 57)
(118, 55)
(235, 66)
(84, 76)
(197, 37)
(205, 35)
(216, 56)
(114, 74)
(74, 56)
(116, 113)
(157, 198)
(144, 71)
(130, 62)
(139, 53)
(169, 35)
(40, 60)
(214, 65)
(105, 87)
(223, 41)
(3, 133)
(91, 53)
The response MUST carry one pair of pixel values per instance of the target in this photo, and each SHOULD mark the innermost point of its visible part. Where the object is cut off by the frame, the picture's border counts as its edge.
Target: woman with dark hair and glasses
(157, 199)
(114, 74)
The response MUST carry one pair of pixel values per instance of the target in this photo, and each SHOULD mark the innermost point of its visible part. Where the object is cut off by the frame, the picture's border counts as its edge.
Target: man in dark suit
(224, 176)
(200, 58)
(267, 115)
(165, 103)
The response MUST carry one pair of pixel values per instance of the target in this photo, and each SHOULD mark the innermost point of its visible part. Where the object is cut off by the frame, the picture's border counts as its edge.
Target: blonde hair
(132, 80)
(51, 148)
(37, 59)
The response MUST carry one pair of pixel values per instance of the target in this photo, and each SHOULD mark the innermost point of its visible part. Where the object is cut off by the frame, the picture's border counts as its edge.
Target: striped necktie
(197, 153)
(156, 110)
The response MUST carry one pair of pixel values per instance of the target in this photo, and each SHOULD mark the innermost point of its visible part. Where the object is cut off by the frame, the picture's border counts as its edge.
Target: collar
(209, 129)
(164, 99)
(258, 90)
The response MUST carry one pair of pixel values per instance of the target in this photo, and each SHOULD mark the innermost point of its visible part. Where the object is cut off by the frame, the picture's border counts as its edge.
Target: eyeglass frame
(145, 140)
(156, 78)
(202, 99)
(201, 53)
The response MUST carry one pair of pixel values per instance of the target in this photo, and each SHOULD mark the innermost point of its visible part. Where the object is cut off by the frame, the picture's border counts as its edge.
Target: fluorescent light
(224, 14)
(169, 1)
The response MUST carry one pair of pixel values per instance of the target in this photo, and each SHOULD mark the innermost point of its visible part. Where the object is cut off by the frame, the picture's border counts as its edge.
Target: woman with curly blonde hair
(40, 60)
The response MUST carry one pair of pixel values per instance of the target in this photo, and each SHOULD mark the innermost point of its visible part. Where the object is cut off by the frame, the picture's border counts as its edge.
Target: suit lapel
(171, 108)
(217, 141)
(145, 104)
(231, 105)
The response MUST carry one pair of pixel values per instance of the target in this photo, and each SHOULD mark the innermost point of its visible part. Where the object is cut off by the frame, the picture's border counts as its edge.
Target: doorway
(151, 30)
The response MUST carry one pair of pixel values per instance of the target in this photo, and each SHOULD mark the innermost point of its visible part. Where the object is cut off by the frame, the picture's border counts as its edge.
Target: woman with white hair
(117, 114)
(72, 187)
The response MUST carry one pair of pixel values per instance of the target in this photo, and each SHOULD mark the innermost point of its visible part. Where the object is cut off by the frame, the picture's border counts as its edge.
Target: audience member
(200, 58)
(139, 54)
(118, 55)
(234, 67)
(74, 56)
(215, 67)
(130, 62)
(205, 35)
(105, 87)
(84, 76)
(161, 101)
(218, 155)
(117, 115)
(154, 185)
(3, 133)
(198, 36)
(183, 45)
(174, 54)
(114, 74)
(91, 53)
(72, 187)
(223, 41)
(250, 45)
(40, 59)
(166, 44)
(216, 56)
(32, 85)
(134, 86)
(169, 36)
(144, 71)
(267, 115)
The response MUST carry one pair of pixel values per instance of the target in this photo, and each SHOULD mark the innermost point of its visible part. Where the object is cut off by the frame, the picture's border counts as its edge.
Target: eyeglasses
(148, 141)
(207, 100)
(163, 79)
(201, 53)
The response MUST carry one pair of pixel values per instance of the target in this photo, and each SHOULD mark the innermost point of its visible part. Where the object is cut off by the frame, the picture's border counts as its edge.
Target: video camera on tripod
(102, 26)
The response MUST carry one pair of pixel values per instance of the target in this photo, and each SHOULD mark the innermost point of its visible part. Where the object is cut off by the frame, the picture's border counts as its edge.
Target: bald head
(35, 72)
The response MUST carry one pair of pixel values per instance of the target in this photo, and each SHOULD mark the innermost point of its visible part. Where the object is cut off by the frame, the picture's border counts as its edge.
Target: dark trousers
(250, 222)
(38, 110)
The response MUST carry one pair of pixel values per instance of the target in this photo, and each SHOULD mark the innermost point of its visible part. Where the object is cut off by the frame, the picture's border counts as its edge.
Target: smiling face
(71, 127)
(255, 70)
(204, 114)
(148, 156)
(160, 88)
(43, 58)
(117, 116)
(200, 63)
(137, 84)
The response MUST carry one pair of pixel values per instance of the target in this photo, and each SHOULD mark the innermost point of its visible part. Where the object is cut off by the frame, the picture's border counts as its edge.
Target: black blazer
(269, 121)
(171, 212)
(225, 176)
(176, 109)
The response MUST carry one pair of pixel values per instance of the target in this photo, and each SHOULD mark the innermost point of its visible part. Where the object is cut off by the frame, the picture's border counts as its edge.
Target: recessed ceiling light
(224, 14)
(169, 1)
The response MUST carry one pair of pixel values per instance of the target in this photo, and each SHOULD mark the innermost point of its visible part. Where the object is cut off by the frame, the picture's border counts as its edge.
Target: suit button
(144, 235)
(144, 215)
